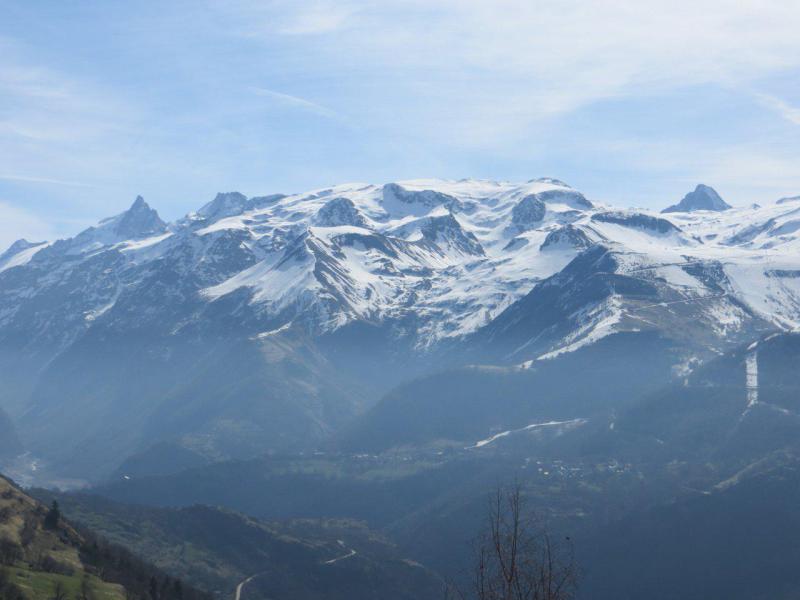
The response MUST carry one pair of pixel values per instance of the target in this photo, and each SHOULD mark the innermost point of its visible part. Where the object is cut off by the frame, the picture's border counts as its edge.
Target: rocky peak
(702, 198)
(138, 221)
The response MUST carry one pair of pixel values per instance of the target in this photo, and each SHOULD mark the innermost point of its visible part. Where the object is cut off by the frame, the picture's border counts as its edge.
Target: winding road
(241, 585)
(333, 561)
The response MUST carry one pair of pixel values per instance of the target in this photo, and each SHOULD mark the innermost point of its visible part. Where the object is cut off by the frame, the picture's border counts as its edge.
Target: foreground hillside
(270, 324)
(218, 549)
(42, 557)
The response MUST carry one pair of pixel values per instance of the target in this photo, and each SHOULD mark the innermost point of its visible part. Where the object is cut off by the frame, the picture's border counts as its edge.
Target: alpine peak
(702, 198)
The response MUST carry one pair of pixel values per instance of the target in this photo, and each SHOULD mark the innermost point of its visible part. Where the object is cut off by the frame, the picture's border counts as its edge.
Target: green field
(38, 585)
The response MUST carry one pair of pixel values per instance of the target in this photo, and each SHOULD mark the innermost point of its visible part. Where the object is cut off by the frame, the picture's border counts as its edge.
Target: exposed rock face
(139, 221)
(702, 198)
(339, 211)
(636, 220)
(528, 212)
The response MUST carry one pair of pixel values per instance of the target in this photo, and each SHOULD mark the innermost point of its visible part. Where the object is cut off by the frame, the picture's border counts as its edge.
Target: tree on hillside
(53, 516)
(8, 590)
(10, 552)
(59, 592)
(517, 559)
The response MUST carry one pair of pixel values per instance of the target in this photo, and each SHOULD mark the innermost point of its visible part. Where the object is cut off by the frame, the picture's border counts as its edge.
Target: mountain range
(293, 323)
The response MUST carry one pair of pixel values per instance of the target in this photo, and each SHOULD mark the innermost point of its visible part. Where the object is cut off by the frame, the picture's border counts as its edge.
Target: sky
(632, 102)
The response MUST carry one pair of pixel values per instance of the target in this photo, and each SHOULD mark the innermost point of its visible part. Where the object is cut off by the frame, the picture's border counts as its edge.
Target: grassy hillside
(43, 557)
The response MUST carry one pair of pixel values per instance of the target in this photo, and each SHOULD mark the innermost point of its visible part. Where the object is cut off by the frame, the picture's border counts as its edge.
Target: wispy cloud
(296, 102)
(43, 104)
(318, 18)
(485, 73)
(781, 107)
(44, 180)
(16, 223)
(289, 17)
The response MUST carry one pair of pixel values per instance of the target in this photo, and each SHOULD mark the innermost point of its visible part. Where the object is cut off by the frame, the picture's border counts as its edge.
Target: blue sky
(631, 102)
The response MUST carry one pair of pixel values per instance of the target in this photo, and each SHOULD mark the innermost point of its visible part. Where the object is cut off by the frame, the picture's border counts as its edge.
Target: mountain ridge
(301, 302)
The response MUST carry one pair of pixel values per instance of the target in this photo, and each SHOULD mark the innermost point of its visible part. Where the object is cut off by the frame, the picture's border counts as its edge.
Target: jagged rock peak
(702, 198)
(138, 221)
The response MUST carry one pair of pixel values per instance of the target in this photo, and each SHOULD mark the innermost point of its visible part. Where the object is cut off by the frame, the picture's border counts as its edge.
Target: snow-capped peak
(19, 253)
(137, 223)
(18, 247)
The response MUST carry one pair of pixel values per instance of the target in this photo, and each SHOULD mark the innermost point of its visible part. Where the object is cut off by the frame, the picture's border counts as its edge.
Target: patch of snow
(570, 423)
(751, 370)
(266, 334)
(22, 258)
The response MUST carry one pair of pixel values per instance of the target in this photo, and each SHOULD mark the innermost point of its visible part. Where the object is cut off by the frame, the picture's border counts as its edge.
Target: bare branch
(518, 560)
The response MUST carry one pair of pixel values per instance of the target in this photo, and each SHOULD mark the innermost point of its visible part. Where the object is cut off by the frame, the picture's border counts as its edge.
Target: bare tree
(517, 559)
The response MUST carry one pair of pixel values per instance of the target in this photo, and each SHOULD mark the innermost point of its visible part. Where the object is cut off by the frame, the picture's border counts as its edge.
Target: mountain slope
(738, 542)
(459, 407)
(734, 411)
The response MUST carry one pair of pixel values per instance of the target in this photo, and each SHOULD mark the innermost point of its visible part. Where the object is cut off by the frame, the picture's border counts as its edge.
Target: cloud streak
(16, 223)
(781, 107)
(296, 102)
(43, 180)
(483, 72)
